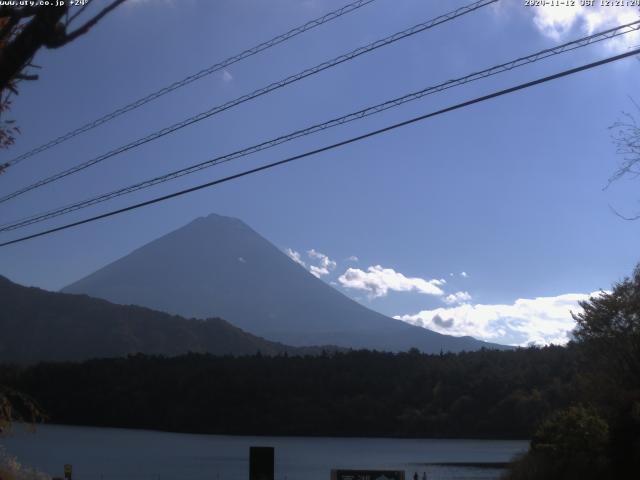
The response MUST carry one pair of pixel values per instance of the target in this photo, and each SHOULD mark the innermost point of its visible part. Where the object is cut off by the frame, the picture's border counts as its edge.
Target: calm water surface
(119, 454)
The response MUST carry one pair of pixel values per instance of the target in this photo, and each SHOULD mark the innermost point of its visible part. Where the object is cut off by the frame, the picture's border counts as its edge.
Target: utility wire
(421, 27)
(268, 166)
(196, 76)
(566, 47)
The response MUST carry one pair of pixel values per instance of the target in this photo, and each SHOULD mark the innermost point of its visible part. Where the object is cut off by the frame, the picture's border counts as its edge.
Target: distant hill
(36, 325)
(218, 266)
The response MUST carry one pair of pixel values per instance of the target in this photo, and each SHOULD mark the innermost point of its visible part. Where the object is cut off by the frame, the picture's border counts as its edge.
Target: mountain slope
(36, 325)
(218, 266)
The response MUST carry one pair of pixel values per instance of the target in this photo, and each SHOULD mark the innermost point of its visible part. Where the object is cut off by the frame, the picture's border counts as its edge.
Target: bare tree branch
(24, 31)
(8, 28)
(624, 217)
(626, 138)
(25, 76)
(19, 13)
(19, 52)
(78, 13)
(64, 39)
(19, 42)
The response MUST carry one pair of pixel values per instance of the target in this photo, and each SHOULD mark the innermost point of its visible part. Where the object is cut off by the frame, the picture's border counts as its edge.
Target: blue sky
(509, 191)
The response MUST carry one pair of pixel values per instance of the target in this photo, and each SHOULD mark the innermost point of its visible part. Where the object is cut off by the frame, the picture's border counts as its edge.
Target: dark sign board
(367, 474)
(261, 463)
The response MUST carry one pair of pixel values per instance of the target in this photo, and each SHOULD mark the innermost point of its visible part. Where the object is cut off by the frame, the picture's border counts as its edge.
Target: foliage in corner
(25, 29)
(19, 407)
(11, 469)
(602, 441)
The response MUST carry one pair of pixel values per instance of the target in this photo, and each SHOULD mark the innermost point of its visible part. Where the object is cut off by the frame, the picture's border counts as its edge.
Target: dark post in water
(261, 463)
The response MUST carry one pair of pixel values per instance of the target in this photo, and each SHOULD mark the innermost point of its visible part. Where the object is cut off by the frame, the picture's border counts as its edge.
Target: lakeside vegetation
(486, 394)
(38, 325)
(598, 435)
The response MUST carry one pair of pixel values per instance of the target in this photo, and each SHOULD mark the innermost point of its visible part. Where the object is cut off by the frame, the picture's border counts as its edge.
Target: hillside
(37, 325)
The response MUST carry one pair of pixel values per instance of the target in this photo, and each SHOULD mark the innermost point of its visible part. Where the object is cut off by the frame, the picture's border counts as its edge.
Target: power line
(268, 166)
(421, 27)
(196, 76)
(540, 55)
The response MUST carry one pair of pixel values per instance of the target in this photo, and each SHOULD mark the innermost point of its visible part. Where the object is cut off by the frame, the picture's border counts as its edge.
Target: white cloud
(226, 76)
(295, 256)
(318, 271)
(541, 320)
(326, 264)
(458, 297)
(377, 281)
(464, 274)
(560, 21)
(353, 258)
(242, 260)
(325, 261)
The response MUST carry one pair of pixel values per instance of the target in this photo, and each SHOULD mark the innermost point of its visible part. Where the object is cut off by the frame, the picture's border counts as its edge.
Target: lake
(119, 454)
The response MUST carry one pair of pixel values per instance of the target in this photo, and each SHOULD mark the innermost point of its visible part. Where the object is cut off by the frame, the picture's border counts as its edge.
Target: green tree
(608, 334)
(574, 433)
(603, 441)
(608, 329)
(15, 405)
(569, 444)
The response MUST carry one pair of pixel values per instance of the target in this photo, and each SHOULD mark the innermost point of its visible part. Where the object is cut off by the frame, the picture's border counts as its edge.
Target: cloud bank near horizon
(540, 320)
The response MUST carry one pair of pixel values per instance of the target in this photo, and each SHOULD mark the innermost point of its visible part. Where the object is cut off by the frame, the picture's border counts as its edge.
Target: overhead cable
(421, 27)
(268, 166)
(368, 111)
(192, 78)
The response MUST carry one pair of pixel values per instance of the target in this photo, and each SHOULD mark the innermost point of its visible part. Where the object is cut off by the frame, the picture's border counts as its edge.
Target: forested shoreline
(485, 394)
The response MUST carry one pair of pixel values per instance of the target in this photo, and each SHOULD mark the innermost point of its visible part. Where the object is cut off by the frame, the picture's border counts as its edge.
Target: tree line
(484, 394)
